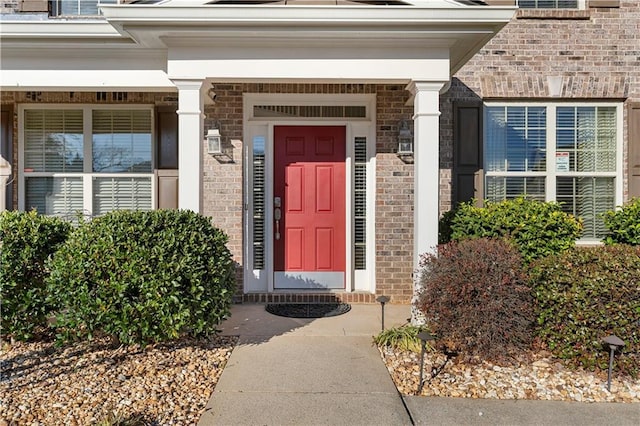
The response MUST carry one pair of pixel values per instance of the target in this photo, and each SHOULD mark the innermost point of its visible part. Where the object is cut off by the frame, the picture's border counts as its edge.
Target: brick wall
(223, 192)
(596, 53)
(394, 199)
(10, 6)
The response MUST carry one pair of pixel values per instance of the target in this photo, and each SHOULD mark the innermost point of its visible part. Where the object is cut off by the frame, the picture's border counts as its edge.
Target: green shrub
(586, 294)
(142, 277)
(537, 228)
(404, 338)
(444, 225)
(26, 241)
(624, 224)
(475, 298)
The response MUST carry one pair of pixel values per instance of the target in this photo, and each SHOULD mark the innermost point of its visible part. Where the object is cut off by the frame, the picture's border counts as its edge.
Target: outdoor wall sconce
(214, 142)
(614, 343)
(405, 139)
(212, 94)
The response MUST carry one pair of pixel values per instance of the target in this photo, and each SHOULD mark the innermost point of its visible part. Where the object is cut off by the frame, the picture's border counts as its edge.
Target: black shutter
(467, 152)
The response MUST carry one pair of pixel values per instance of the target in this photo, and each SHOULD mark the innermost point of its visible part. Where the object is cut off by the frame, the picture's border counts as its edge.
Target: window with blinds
(588, 136)
(587, 198)
(504, 188)
(54, 195)
(53, 141)
(518, 139)
(121, 193)
(67, 171)
(547, 4)
(580, 141)
(121, 141)
(78, 7)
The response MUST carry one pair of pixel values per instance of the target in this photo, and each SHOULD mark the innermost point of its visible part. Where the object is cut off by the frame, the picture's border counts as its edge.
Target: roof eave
(338, 15)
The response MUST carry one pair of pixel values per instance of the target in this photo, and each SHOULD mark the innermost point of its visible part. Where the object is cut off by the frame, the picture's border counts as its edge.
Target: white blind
(121, 193)
(60, 196)
(548, 4)
(121, 141)
(258, 202)
(499, 188)
(515, 139)
(53, 140)
(79, 7)
(587, 198)
(588, 134)
(360, 203)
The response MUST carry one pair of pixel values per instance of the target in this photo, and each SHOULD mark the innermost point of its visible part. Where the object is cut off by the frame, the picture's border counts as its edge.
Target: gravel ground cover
(535, 376)
(92, 382)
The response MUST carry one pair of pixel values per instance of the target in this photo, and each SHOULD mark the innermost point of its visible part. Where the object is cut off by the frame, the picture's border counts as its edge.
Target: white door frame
(261, 128)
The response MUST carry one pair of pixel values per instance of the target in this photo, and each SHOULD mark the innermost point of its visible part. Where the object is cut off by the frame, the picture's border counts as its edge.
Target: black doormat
(308, 310)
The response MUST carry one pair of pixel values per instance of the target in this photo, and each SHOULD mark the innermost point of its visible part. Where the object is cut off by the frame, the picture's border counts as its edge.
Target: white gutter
(338, 15)
(59, 29)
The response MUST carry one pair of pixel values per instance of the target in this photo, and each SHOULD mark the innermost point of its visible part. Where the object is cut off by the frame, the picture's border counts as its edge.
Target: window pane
(587, 198)
(501, 188)
(515, 139)
(122, 141)
(121, 193)
(53, 141)
(78, 7)
(588, 136)
(60, 196)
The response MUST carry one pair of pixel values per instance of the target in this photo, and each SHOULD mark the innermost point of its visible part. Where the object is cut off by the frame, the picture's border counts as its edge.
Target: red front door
(309, 190)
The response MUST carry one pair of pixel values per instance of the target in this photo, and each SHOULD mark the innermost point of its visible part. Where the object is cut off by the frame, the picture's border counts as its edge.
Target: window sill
(589, 243)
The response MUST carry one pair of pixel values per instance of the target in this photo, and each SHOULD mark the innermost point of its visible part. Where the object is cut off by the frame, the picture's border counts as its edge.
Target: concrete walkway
(326, 371)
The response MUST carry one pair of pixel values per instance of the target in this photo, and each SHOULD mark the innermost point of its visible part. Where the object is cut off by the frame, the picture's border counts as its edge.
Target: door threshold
(310, 297)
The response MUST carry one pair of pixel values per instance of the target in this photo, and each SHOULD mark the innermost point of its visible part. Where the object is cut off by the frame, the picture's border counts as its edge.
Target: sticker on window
(562, 161)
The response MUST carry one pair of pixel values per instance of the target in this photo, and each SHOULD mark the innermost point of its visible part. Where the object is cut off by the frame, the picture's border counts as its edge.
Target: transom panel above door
(309, 204)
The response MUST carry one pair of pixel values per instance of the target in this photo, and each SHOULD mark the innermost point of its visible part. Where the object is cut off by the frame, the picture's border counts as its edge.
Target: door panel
(309, 178)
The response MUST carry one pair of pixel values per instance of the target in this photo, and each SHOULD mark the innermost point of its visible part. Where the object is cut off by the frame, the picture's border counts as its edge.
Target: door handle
(277, 215)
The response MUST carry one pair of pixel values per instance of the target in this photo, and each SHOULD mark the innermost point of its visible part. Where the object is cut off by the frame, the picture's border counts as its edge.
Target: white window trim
(262, 280)
(88, 174)
(550, 173)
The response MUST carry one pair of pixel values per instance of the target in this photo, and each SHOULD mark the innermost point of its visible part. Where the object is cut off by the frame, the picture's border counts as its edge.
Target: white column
(426, 175)
(426, 169)
(190, 143)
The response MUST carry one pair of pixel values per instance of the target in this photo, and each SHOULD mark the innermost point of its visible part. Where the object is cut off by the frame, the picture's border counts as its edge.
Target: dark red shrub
(475, 298)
